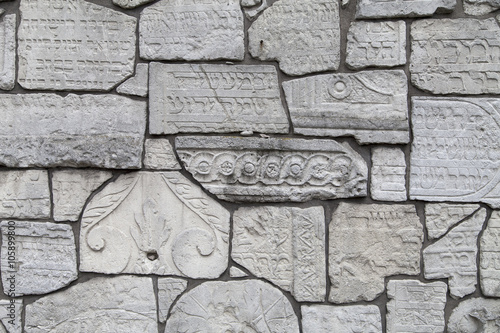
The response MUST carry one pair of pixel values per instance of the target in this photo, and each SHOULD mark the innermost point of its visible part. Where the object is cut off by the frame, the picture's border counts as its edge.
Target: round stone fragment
(475, 315)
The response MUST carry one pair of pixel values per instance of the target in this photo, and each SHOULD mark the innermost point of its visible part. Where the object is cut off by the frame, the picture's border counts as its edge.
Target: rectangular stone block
(388, 174)
(402, 8)
(489, 256)
(345, 319)
(7, 52)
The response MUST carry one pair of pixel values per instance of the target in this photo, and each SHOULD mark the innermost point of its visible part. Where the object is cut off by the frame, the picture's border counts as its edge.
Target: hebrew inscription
(489, 256)
(388, 174)
(160, 155)
(168, 290)
(346, 319)
(439, 217)
(475, 315)
(7, 52)
(136, 85)
(402, 8)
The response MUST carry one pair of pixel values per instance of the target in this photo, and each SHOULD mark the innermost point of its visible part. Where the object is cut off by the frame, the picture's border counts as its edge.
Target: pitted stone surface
(284, 245)
(7, 51)
(48, 130)
(168, 290)
(370, 105)
(455, 56)
(235, 272)
(74, 45)
(416, 307)
(381, 44)
(455, 151)
(369, 243)
(215, 98)
(439, 217)
(154, 223)
(160, 155)
(388, 174)
(302, 35)
(489, 256)
(402, 8)
(192, 30)
(129, 4)
(71, 188)
(345, 319)
(454, 256)
(234, 306)
(475, 315)
(44, 258)
(102, 304)
(480, 7)
(136, 85)
(273, 170)
(11, 311)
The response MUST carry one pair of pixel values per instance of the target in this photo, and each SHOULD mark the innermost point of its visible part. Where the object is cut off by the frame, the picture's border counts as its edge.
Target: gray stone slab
(439, 217)
(160, 155)
(489, 257)
(11, 311)
(136, 85)
(273, 170)
(480, 7)
(129, 4)
(92, 48)
(475, 315)
(402, 8)
(47, 130)
(345, 319)
(7, 52)
(370, 105)
(192, 30)
(252, 8)
(388, 173)
(168, 290)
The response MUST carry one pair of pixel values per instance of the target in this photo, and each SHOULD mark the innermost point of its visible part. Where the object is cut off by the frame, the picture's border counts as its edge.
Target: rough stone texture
(402, 8)
(370, 105)
(44, 258)
(154, 223)
(252, 8)
(234, 306)
(7, 52)
(455, 56)
(475, 315)
(192, 30)
(11, 311)
(381, 44)
(136, 85)
(388, 174)
(48, 130)
(214, 98)
(102, 304)
(129, 4)
(455, 150)
(74, 45)
(272, 169)
(284, 245)
(168, 290)
(480, 7)
(235, 272)
(439, 217)
(160, 155)
(24, 194)
(416, 307)
(302, 35)
(369, 243)
(345, 319)
(454, 256)
(489, 256)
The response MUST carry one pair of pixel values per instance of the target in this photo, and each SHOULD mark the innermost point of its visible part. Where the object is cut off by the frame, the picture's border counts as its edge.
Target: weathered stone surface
(154, 223)
(284, 245)
(370, 105)
(11, 311)
(192, 30)
(346, 319)
(455, 150)
(102, 304)
(475, 315)
(415, 307)
(439, 217)
(489, 256)
(388, 174)
(235, 272)
(129, 4)
(214, 98)
(71, 188)
(455, 56)
(380, 44)
(369, 243)
(273, 170)
(160, 155)
(454, 256)
(234, 306)
(44, 258)
(136, 85)
(480, 7)
(252, 8)
(402, 8)
(74, 45)
(302, 35)
(7, 52)
(24, 194)
(48, 130)
(168, 290)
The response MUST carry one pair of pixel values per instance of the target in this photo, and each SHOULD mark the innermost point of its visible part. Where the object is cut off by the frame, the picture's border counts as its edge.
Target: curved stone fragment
(168, 290)
(154, 223)
(273, 170)
(475, 315)
(440, 217)
(345, 319)
(234, 306)
(136, 85)
(129, 4)
(7, 51)
(402, 8)
(489, 257)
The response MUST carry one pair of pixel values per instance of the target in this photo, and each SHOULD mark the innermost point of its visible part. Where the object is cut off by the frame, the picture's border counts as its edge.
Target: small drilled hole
(152, 255)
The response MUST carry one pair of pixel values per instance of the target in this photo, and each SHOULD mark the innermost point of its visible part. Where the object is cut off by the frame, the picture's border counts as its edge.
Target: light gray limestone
(168, 290)
(381, 44)
(369, 243)
(475, 315)
(102, 304)
(210, 98)
(369, 105)
(455, 151)
(388, 174)
(480, 7)
(252, 8)
(235, 272)
(74, 45)
(273, 170)
(402, 8)
(192, 30)
(7, 52)
(11, 311)
(285, 245)
(160, 155)
(454, 256)
(48, 130)
(345, 319)
(455, 56)
(136, 85)
(302, 35)
(415, 306)
(154, 223)
(439, 217)
(129, 4)
(37, 257)
(489, 257)
(234, 306)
